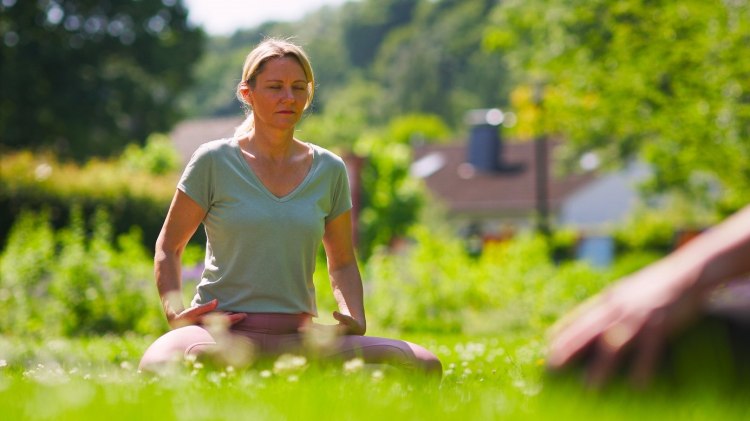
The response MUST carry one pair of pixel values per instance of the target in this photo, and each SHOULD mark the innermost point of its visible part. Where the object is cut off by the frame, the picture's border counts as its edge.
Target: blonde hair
(268, 49)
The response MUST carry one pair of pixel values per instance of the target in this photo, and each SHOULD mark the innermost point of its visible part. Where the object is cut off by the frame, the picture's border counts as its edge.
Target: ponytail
(245, 127)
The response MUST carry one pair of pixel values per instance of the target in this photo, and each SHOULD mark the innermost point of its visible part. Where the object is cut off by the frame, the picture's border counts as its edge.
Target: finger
(209, 306)
(193, 315)
(602, 366)
(235, 318)
(572, 317)
(202, 309)
(610, 349)
(648, 350)
(351, 326)
(571, 341)
(345, 319)
(348, 323)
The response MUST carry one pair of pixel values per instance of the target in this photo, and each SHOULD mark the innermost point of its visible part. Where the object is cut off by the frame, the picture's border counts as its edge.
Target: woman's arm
(344, 273)
(183, 219)
(638, 313)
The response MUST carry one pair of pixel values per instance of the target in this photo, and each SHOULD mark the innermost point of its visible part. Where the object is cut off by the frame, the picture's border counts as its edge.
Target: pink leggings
(273, 334)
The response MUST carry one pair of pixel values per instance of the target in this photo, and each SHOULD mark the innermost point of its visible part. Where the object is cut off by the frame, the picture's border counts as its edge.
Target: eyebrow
(281, 81)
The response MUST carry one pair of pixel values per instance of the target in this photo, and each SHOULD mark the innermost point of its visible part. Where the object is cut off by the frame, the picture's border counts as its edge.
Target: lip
(285, 112)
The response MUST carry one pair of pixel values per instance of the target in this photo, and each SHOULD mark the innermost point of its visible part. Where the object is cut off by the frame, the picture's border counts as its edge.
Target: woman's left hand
(349, 325)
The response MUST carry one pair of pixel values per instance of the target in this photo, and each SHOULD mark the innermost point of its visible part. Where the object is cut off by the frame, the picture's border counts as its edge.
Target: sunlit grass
(488, 377)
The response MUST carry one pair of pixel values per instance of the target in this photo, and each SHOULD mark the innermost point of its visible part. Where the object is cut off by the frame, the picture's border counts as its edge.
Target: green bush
(390, 199)
(425, 288)
(657, 229)
(75, 281)
(436, 286)
(649, 231)
(26, 267)
(131, 197)
(157, 157)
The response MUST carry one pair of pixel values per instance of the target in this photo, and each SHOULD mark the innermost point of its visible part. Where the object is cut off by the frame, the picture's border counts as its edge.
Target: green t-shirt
(261, 249)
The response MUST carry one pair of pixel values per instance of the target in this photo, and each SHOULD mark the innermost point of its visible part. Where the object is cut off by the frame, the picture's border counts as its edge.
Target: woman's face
(280, 94)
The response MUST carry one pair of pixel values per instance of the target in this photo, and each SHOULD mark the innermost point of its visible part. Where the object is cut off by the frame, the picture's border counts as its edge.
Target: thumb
(345, 320)
(340, 317)
(209, 306)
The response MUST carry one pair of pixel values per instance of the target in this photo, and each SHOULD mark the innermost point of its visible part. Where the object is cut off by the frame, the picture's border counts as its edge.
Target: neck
(275, 146)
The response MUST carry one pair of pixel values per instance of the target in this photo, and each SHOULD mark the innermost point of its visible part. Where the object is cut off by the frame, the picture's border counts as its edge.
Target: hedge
(131, 196)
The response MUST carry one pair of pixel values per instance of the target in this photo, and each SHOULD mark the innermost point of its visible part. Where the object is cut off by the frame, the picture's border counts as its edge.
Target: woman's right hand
(195, 315)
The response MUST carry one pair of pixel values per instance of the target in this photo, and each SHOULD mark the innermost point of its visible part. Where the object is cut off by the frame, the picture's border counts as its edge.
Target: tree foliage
(437, 63)
(87, 77)
(368, 25)
(420, 56)
(391, 200)
(663, 81)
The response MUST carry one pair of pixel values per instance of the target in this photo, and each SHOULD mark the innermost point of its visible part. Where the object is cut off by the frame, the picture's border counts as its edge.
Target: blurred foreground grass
(487, 377)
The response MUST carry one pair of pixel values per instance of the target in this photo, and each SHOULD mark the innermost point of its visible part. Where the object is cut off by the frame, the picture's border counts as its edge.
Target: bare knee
(431, 365)
(174, 346)
(415, 358)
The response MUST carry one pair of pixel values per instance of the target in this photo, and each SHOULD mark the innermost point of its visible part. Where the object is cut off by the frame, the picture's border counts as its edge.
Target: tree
(666, 82)
(424, 56)
(437, 64)
(391, 199)
(87, 77)
(369, 22)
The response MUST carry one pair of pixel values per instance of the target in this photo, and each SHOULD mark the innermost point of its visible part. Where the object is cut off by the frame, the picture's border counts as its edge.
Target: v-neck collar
(236, 145)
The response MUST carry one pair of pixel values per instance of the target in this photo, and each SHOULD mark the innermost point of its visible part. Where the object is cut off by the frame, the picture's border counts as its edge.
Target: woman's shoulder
(217, 145)
(327, 156)
(214, 148)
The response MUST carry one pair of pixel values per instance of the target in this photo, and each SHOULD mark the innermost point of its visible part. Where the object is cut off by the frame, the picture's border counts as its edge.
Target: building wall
(606, 200)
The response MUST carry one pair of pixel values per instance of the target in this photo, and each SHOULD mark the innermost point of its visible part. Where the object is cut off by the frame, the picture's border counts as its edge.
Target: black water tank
(485, 146)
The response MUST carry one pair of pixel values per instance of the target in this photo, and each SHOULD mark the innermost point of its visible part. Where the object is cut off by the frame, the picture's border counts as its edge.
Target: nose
(288, 95)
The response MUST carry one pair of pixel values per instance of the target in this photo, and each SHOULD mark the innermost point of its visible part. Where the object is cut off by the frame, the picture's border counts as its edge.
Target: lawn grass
(486, 377)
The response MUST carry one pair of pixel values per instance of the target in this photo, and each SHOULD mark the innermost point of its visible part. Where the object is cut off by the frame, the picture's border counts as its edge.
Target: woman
(267, 200)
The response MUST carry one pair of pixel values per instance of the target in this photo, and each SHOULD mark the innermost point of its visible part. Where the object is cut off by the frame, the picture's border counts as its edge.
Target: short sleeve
(341, 197)
(197, 180)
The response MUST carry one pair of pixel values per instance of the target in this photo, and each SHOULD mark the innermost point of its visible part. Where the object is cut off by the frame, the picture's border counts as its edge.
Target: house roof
(189, 134)
(511, 191)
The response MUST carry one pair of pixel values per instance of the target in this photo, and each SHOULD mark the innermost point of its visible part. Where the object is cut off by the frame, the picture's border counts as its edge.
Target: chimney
(485, 149)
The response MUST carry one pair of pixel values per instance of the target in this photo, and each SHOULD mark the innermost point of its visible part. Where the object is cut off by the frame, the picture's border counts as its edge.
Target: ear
(244, 91)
